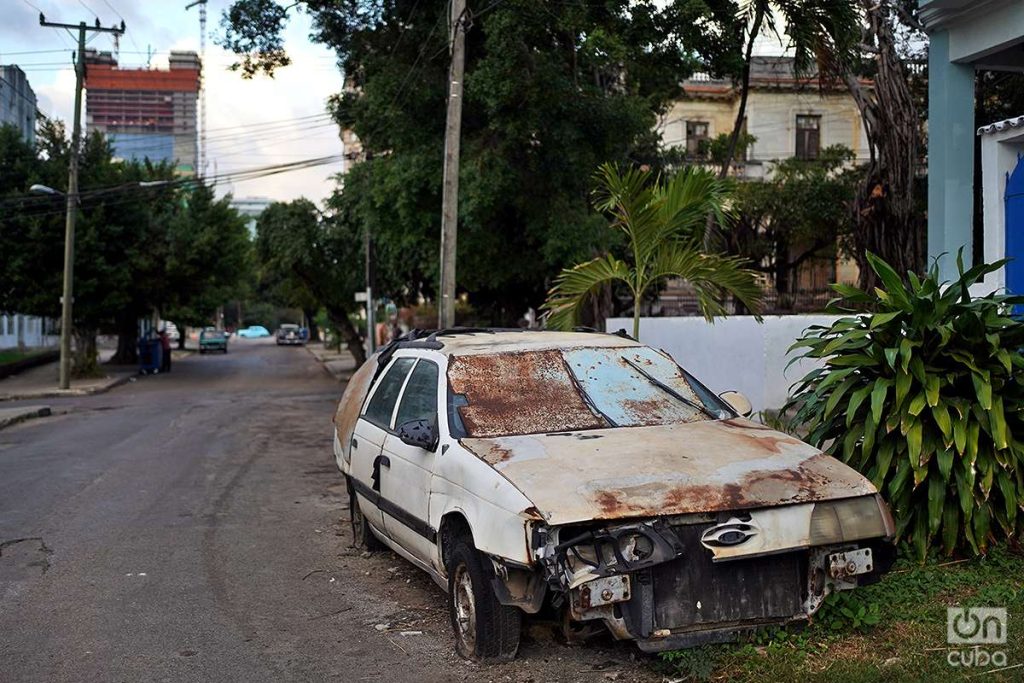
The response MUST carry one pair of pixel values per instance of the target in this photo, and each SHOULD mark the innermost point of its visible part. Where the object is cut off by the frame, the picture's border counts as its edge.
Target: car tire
(202, 352)
(484, 629)
(362, 535)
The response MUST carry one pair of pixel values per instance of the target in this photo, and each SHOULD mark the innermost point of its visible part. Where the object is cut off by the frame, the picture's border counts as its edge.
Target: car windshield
(213, 334)
(560, 390)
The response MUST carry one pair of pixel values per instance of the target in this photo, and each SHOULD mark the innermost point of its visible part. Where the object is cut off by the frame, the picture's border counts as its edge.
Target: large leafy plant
(922, 396)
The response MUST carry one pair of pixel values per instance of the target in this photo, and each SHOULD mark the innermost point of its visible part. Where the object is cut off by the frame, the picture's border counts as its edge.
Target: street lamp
(69, 259)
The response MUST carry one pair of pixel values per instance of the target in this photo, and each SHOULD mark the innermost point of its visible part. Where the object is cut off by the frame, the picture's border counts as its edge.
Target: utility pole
(72, 194)
(452, 135)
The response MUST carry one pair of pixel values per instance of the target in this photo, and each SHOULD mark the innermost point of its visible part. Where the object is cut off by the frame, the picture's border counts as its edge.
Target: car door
(368, 438)
(405, 485)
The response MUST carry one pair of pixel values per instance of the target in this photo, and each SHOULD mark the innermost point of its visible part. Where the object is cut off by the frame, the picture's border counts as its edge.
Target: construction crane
(201, 171)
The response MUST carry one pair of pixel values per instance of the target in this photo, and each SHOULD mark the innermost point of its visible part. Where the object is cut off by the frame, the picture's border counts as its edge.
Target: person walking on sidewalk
(165, 348)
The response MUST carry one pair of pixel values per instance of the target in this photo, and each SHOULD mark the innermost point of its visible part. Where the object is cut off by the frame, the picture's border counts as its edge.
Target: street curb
(341, 377)
(27, 414)
(64, 393)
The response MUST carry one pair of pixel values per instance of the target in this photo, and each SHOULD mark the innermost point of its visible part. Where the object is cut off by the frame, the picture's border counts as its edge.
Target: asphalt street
(193, 527)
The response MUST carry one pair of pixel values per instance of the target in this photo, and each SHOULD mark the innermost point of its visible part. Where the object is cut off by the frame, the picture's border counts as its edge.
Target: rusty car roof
(475, 343)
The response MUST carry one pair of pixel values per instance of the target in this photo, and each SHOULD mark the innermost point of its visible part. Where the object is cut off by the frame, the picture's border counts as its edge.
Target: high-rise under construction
(145, 113)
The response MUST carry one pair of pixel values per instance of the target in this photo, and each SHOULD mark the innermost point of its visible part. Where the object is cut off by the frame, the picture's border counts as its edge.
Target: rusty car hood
(671, 469)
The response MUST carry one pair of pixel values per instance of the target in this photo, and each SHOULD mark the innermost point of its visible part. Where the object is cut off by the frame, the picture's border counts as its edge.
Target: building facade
(17, 101)
(786, 117)
(966, 36)
(251, 208)
(146, 113)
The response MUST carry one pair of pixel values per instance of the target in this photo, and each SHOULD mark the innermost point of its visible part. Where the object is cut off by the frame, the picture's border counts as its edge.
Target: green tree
(209, 257)
(318, 254)
(799, 214)
(664, 224)
(165, 246)
(552, 90)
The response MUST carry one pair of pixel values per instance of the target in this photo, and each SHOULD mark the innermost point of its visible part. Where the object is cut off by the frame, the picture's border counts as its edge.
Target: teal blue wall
(950, 156)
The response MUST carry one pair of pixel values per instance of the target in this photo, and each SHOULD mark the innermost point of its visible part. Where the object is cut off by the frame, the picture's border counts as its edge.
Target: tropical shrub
(922, 396)
(663, 222)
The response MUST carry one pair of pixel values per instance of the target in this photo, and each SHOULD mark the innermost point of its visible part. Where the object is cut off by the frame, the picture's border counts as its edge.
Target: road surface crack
(43, 562)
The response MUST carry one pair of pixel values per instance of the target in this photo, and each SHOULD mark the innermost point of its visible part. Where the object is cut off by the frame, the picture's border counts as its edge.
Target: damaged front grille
(696, 591)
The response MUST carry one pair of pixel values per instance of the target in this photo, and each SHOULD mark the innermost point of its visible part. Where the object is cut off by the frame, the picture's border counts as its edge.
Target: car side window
(382, 405)
(419, 402)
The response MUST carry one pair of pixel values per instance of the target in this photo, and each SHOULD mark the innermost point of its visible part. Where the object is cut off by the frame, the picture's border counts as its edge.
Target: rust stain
(534, 514)
(351, 402)
(497, 454)
(518, 393)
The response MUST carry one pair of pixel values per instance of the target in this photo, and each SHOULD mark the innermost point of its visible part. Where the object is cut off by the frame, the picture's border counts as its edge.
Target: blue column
(950, 156)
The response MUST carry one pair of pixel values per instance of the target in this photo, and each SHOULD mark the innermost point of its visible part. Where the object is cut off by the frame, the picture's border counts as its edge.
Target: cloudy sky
(251, 123)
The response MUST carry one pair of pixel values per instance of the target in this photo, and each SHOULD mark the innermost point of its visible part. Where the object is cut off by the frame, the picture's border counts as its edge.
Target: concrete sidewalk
(41, 382)
(12, 416)
(340, 364)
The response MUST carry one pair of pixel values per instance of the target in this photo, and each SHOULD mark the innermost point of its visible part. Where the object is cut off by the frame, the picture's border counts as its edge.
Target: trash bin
(150, 355)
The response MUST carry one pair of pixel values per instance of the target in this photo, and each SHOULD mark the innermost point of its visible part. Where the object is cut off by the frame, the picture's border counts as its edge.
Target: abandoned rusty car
(590, 475)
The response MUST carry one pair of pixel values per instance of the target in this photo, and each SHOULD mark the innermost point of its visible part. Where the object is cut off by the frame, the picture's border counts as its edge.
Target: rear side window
(419, 402)
(382, 405)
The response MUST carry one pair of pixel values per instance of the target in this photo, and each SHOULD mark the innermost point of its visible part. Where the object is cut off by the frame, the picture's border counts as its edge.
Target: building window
(808, 137)
(696, 138)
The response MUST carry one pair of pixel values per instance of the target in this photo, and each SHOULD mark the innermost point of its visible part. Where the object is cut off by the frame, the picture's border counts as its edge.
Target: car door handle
(355, 443)
(378, 462)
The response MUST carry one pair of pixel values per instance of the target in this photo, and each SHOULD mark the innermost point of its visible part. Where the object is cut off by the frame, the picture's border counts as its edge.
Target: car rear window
(561, 390)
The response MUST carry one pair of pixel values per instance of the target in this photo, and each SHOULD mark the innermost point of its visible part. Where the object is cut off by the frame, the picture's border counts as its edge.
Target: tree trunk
(884, 208)
(354, 342)
(83, 357)
(741, 113)
(182, 335)
(314, 333)
(127, 341)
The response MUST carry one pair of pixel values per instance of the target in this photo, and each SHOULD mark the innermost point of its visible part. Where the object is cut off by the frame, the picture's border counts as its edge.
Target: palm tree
(664, 224)
(821, 34)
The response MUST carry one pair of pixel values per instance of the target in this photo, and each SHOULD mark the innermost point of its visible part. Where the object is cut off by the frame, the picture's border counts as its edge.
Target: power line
(121, 195)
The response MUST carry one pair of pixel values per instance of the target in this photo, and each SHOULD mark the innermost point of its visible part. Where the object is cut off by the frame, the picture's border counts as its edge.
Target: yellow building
(787, 117)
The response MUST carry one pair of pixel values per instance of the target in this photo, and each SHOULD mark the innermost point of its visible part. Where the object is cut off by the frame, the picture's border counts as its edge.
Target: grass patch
(8, 356)
(894, 630)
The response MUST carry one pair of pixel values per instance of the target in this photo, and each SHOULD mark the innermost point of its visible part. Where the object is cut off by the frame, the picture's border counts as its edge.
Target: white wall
(734, 353)
(18, 329)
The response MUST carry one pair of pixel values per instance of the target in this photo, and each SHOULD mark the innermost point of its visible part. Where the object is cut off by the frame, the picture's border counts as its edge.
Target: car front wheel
(485, 630)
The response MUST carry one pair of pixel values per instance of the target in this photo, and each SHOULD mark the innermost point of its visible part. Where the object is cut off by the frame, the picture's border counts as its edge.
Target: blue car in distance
(253, 331)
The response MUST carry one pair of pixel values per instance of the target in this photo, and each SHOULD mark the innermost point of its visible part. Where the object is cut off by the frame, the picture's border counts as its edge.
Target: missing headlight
(606, 552)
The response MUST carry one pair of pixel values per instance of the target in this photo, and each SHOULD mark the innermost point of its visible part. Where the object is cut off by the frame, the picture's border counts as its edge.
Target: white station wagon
(591, 473)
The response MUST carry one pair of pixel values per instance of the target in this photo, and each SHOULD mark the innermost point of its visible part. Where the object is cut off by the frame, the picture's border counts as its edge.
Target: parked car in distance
(590, 473)
(212, 339)
(253, 331)
(288, 334)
